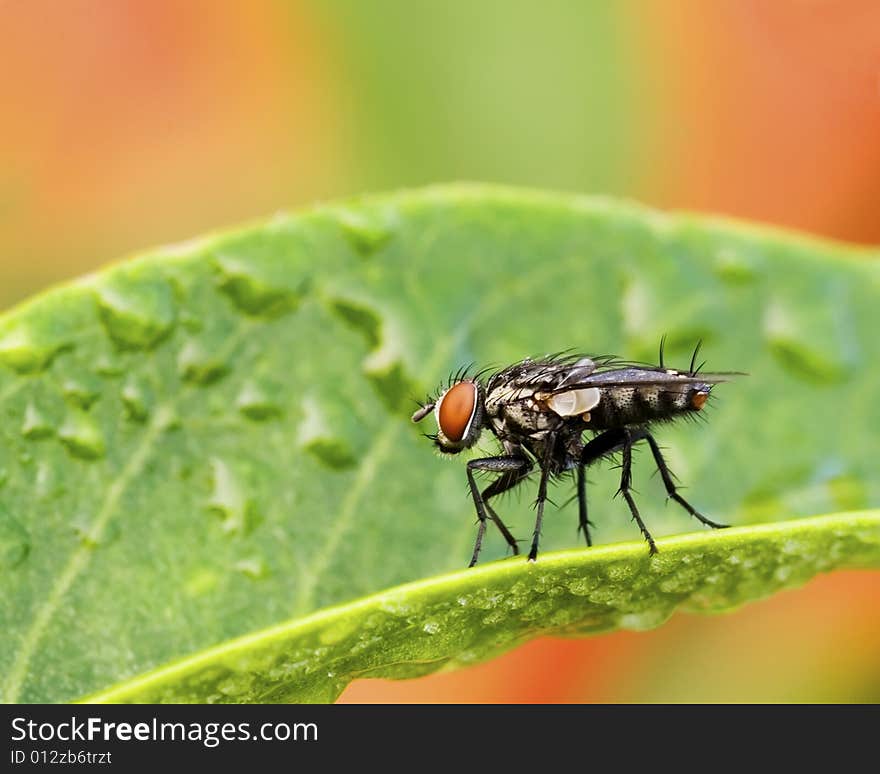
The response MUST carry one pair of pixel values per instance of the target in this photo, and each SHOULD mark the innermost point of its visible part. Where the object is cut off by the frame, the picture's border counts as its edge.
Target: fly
(542, 409)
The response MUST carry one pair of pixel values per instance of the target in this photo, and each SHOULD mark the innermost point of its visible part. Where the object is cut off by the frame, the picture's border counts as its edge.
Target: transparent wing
(644, 377)
(547, 373)
(566, 372)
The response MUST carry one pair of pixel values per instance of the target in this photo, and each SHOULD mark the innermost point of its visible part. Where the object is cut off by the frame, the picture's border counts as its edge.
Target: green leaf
(213, 441)
(456, 619)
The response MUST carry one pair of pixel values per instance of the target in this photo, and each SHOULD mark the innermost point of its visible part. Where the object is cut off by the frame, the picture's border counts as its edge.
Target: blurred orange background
(132, 123)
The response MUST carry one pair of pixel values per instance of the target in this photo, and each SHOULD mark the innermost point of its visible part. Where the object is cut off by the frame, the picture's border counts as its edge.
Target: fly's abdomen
(636, 405)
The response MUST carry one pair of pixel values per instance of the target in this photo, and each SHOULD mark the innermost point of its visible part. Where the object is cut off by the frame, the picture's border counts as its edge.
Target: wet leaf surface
(212, 441)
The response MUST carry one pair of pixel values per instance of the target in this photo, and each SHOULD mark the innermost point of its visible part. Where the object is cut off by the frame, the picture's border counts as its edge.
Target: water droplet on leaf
(255, 401)
(81, 435)
(109, 366)
(648, 619)
(802, 346)
(230, 500)
(168, 419)
(252, 566)
(581, 587)
(27, 348)
(383, 366)
(199, 365)
(367, 230)
(782, 573)
(360, 317)
(390, 380)
(263, 279)
(236, 686)
(36, 425)
(136, 307)
(321, 436)
(82, 390)
(136, 400)
(396, 606)
(735, 267)
(45, 483)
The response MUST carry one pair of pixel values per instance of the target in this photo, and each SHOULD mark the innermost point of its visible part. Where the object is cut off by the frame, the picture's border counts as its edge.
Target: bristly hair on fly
(541, 410)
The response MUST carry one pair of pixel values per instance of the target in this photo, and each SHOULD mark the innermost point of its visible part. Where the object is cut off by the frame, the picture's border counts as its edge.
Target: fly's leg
(502, 484)
(609, 442)
(505, 464)
(583, 521)
(602, 445)
(502, 528)
(666, 475)
(625, 482)
(542, 497)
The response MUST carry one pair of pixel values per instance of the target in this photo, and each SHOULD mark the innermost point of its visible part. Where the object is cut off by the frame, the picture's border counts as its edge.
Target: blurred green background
(133, 123)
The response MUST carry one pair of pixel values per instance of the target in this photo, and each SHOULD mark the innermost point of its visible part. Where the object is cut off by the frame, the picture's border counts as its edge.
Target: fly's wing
(565, 372)
(643, 377)
(555, 372)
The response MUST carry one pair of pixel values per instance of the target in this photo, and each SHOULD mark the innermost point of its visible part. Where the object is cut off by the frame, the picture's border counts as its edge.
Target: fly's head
(460, 413)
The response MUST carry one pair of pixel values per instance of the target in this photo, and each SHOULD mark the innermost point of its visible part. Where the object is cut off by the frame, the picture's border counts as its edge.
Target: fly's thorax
(499, 397)
(517, 413)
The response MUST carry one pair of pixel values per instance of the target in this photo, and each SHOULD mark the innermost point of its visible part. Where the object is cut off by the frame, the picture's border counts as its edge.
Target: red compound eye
(457, 409)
